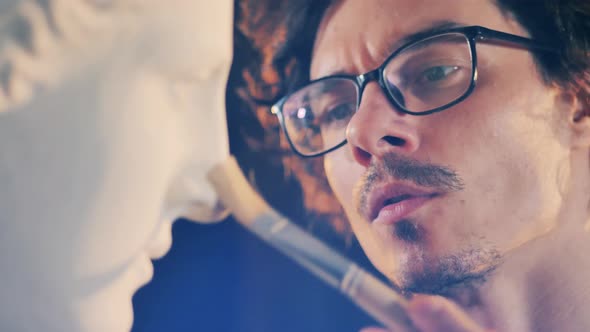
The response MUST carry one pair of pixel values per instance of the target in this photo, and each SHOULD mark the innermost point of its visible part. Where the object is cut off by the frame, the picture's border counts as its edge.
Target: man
(456, 136)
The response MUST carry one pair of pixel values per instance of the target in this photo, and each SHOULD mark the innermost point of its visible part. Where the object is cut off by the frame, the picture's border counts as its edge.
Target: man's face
(479, 179)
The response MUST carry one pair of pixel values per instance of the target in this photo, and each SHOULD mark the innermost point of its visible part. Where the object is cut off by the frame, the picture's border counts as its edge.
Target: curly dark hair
(284, 34)
(565, 24)
(270, 50)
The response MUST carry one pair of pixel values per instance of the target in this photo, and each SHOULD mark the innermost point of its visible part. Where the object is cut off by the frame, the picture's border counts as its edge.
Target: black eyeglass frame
(472, 34)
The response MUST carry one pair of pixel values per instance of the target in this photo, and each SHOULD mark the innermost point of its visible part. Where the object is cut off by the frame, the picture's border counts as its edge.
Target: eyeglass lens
(422, 77)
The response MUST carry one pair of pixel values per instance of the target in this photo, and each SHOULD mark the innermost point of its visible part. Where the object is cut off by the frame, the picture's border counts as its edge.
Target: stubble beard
(420, 271)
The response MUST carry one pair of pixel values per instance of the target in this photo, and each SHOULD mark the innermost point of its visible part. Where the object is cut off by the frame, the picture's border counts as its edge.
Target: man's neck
(542, 286)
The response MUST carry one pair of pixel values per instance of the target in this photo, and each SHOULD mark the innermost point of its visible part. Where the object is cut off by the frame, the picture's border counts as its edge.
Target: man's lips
(390, 203)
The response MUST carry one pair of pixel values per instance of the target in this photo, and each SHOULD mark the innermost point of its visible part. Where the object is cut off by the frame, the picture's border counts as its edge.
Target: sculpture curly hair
(39, 39)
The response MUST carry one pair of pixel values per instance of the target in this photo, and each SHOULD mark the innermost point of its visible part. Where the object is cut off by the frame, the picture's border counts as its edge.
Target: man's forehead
(369, 30)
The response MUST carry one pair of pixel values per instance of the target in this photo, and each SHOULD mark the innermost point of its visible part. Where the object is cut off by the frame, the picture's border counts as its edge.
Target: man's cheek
(342, 174)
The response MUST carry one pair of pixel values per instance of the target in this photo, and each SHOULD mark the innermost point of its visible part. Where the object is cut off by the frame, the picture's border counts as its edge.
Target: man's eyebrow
(433, 28)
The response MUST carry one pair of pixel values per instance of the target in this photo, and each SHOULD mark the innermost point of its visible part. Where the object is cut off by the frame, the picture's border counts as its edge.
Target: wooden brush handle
(237, 193)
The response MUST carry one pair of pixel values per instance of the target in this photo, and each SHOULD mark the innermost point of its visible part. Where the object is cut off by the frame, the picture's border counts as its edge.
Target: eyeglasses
(424, 76)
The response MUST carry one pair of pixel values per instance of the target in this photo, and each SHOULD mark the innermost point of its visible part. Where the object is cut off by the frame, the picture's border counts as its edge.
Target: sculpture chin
(203, 213)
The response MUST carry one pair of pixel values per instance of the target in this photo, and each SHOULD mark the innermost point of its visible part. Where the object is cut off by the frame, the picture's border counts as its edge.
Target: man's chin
(437, 284)
(441, 275)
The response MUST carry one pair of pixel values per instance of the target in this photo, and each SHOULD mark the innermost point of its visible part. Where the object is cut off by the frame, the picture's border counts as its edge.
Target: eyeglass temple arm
(493, 35)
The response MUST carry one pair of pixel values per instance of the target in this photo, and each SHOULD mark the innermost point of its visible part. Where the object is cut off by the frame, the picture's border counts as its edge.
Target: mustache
(438, 178)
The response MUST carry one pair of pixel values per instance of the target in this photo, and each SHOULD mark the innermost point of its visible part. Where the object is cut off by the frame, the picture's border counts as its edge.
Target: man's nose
(378, 128)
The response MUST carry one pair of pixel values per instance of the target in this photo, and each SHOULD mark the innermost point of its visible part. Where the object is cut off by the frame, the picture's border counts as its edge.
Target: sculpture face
(113, 144)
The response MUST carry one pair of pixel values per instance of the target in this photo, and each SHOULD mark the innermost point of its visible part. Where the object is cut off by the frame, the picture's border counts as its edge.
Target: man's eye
(436, 74)
(341, 112)
(338, 113)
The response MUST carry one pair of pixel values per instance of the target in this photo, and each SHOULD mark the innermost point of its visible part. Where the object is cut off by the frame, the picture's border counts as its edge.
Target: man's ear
(578, 105)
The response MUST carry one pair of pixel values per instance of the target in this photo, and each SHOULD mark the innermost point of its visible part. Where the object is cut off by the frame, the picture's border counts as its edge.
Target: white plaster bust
(111, 113)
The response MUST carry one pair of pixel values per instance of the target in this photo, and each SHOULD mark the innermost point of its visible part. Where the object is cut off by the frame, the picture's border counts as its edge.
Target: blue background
(221, 278)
